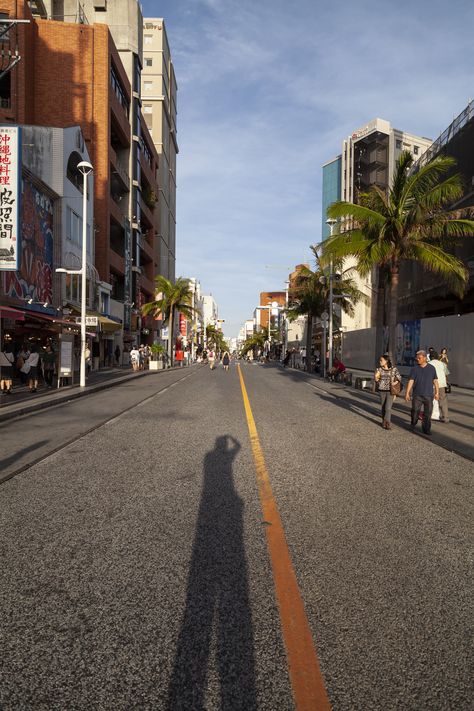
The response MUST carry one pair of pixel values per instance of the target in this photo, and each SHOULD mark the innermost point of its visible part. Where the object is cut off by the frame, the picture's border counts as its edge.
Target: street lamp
(331, 222)
(86, 169)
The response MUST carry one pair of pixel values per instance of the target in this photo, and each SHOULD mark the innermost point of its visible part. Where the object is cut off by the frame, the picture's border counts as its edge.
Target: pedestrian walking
(48, 360)
(135, 358)
(211, 357)
(30, 368)
(441, 374)
(6, 369)
(423, 385)
(117, 354)
(444, 359)
(226, 361)
(386, 376)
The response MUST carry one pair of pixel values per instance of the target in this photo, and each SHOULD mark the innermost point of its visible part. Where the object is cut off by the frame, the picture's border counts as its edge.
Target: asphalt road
(134, 565)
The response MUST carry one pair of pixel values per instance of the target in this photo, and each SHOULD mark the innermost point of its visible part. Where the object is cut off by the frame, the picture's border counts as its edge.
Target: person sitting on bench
(337, 369)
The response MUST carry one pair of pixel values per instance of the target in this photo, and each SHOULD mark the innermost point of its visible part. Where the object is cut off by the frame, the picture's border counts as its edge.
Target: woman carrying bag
(389, 384)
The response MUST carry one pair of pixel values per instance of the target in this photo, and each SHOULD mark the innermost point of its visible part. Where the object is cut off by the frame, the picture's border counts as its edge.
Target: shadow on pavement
(217, 601)
(13, 458)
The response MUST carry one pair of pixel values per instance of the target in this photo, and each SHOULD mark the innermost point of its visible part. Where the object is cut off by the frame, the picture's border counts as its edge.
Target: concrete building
(368, 158)
(159, 99)
(125, 22)
(209, 310)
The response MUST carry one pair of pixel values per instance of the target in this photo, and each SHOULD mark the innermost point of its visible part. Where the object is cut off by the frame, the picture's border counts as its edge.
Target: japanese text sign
(10, 167)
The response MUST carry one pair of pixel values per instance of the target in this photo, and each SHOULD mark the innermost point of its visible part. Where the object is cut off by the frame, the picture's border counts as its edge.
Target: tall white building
(159, 95)
(209, 310)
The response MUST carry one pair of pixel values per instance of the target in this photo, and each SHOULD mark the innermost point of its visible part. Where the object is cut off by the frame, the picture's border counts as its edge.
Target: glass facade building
(331, 190)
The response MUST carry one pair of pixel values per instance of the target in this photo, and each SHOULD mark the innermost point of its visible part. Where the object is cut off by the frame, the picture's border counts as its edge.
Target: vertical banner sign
(10, 172)
(182, 325)
(127, 281)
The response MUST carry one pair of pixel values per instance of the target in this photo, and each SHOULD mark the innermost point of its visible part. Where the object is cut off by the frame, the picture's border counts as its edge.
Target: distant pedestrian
(423, 383)
(49, 360)
(441, 374)
(226, 361)
(211, 357)
(384, 376)
(135, 358)
(30, 367)
(286, 359)
(117, 354)
(6, 369)
(444, 359)
(431, 350)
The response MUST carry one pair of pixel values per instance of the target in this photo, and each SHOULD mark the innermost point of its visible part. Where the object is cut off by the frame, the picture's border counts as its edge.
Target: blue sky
(267, 90)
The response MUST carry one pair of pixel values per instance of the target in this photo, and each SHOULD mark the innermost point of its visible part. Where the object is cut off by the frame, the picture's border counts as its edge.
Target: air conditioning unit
(100, 5)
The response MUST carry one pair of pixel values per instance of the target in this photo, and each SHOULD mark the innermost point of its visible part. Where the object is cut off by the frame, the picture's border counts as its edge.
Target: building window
(118, 90)
(148, 61)
(398, 144)
(148, 39)
(148, 85)
(416, 150)
(147, 109)
(104, 302)
(73, 227)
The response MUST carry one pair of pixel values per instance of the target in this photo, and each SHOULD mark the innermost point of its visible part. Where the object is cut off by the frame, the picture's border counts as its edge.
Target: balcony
(148, 250)
(119, 174)
(117, 263)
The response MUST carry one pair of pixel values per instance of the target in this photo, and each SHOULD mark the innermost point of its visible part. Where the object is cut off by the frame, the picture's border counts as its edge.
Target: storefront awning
(13, 314)
(53, 319)
(107, 324)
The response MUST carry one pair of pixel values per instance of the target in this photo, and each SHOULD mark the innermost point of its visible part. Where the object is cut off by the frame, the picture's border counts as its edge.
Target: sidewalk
(22, 402)
(457, 435)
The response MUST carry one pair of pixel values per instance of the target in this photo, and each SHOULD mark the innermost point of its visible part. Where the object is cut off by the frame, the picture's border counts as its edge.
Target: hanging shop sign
(10, 172)
(182, 325)
(90, 320)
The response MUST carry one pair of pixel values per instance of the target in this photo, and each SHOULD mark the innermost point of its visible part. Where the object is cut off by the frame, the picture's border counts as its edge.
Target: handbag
(25, 368)
(395, 387)
(435, 415)
(447, 390)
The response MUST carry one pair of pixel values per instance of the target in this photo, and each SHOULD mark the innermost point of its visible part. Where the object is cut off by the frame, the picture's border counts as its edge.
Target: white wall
(456, 333)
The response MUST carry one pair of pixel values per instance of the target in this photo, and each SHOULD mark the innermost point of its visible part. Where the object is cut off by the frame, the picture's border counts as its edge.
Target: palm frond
(342, 210)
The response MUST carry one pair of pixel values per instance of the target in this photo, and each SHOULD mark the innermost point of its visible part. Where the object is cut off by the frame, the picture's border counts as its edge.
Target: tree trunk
(392, 314)
(309, 341)
(380, 313)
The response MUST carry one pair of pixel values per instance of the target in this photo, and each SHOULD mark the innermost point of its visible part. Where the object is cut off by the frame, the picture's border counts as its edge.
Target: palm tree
(411, 221)
(309, 295)
(170, 298)
(256, 342)
(215, 337)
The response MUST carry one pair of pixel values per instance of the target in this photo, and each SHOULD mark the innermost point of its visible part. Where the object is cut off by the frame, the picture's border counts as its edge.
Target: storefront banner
(10, 173)
(182, 325)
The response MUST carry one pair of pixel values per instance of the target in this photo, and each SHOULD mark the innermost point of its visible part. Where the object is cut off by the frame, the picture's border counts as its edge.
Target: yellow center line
(309, 691)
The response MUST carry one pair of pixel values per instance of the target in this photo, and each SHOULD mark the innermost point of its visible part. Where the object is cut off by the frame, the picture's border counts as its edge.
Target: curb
(42, 403)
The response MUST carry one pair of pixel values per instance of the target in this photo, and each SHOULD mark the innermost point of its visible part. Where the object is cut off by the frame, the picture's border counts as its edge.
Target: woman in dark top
(226, 360)
(384, 375)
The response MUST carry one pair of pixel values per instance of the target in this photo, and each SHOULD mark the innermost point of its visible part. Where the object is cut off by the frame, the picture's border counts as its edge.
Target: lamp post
(86, 169)
(331, 222)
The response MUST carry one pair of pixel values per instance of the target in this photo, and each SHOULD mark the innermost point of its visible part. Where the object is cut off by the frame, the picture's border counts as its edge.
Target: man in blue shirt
(424, 384)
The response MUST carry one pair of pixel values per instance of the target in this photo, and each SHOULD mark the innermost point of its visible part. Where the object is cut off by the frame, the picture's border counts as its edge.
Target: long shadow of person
(217, 596)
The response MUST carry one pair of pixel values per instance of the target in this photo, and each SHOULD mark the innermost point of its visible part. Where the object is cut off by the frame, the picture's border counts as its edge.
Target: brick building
(72, 74)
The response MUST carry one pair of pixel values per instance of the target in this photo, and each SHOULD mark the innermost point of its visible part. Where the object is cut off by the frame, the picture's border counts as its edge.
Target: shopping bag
(435, 414)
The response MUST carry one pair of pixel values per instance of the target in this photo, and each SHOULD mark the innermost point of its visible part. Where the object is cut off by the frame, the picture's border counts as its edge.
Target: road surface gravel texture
(134, 567)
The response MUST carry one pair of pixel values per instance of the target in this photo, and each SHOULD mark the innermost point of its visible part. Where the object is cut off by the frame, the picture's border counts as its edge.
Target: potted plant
(156, 360)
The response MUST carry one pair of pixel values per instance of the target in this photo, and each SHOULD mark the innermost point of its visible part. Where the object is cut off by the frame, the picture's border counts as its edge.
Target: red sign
(182, 325)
